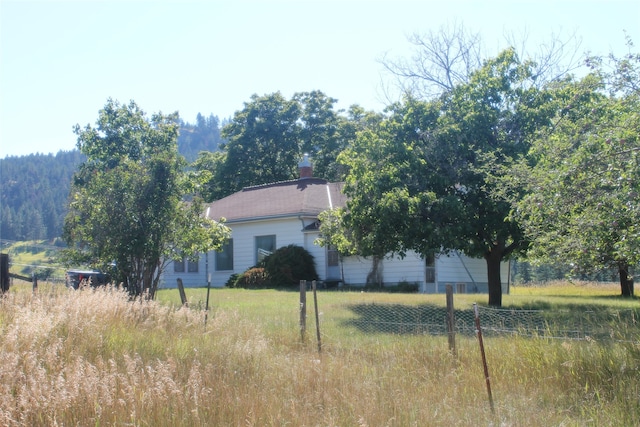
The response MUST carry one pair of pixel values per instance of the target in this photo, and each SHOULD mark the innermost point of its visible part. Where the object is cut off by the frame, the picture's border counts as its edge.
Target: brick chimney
(305, 168)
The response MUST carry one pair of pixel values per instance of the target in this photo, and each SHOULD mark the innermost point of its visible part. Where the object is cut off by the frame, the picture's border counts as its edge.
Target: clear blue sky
(61, 60)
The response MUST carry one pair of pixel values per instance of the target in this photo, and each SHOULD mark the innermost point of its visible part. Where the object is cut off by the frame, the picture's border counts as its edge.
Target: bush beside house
(285, 267)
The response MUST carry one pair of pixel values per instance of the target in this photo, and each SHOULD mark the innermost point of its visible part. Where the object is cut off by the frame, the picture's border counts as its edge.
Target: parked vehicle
(76, 278)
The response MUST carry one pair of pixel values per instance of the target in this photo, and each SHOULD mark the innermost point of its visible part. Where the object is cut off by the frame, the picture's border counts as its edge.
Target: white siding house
(266, 217)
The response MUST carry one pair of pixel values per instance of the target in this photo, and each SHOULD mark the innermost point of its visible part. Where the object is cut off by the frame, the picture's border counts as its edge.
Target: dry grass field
(94, 358)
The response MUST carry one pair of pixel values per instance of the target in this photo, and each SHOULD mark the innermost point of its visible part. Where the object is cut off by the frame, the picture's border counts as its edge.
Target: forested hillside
(204, 135)
(34, 194)
(34, 188)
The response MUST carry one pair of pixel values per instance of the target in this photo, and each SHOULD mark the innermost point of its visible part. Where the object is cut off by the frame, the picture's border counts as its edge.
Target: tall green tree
(263, 145)
(583, 175)
(127, 213)
(268, 137)
(334, 235)
(209, 166)
(319, 134)
(422, 180)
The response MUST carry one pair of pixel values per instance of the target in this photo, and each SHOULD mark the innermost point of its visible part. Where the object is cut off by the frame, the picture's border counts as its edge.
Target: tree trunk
(149, 279)
(374, 278)
(156, 280)
(493, 259)
(626, 280)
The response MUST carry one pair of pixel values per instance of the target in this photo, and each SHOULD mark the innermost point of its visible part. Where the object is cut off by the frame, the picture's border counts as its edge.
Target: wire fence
(579, 323)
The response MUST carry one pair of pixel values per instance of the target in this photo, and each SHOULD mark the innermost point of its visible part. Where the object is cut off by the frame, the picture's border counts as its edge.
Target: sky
(60, 61)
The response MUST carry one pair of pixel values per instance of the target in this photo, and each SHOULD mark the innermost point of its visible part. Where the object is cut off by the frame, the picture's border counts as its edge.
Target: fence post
(303, 309)
(183, 296)
(206, 309)
(451, 321)
(315, 303)
(4, 273)
(34, 280)
(484, 357)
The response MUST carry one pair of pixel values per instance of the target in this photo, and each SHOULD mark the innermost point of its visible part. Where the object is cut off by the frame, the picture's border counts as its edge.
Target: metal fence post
(484, 357)
(315, 304)
(303, 309)
(451, 321)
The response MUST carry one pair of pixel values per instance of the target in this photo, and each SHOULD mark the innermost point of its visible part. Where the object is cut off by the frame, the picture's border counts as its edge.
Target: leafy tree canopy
(268, 137)
(127, 211)
(422, 180)
(583, 174)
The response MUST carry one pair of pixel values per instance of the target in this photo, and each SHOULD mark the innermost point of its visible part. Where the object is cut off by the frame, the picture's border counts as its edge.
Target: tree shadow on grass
(566, 321)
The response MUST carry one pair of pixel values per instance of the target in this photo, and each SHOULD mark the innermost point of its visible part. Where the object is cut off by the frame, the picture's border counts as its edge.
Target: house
(265, 217)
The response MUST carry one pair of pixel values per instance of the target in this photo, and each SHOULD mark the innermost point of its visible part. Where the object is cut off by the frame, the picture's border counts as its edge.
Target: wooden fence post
(303, 309)
(4, 273)
(451, 321)
(183, 296)
(34, 280)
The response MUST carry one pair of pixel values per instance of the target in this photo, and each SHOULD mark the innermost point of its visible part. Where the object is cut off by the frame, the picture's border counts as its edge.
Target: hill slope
(35, 188)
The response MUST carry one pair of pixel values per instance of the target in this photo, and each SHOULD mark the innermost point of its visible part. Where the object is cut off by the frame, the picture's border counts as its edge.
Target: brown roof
(301, 197)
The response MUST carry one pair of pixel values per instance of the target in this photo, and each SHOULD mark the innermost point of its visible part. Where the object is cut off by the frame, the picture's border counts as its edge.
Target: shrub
(44, 273)
(288, 265)
(406, 287)
(254, 277)
(232, 281)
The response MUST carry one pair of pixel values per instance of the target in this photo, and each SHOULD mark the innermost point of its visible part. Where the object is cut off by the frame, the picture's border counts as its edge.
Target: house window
(179, 265)
(332, 257)
(224, 258)
(265, 245)
(192, 265)
(430, 269)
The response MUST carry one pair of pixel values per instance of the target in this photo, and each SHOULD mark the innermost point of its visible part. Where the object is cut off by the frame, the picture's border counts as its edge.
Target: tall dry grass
(93, 357)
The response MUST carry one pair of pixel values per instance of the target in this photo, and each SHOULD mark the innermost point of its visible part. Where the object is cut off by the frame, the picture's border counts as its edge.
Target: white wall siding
(189, 279)
(319, 253)
(408, 269)
(453, 268)
(355, 270)
(394, 270)
(287, 232)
